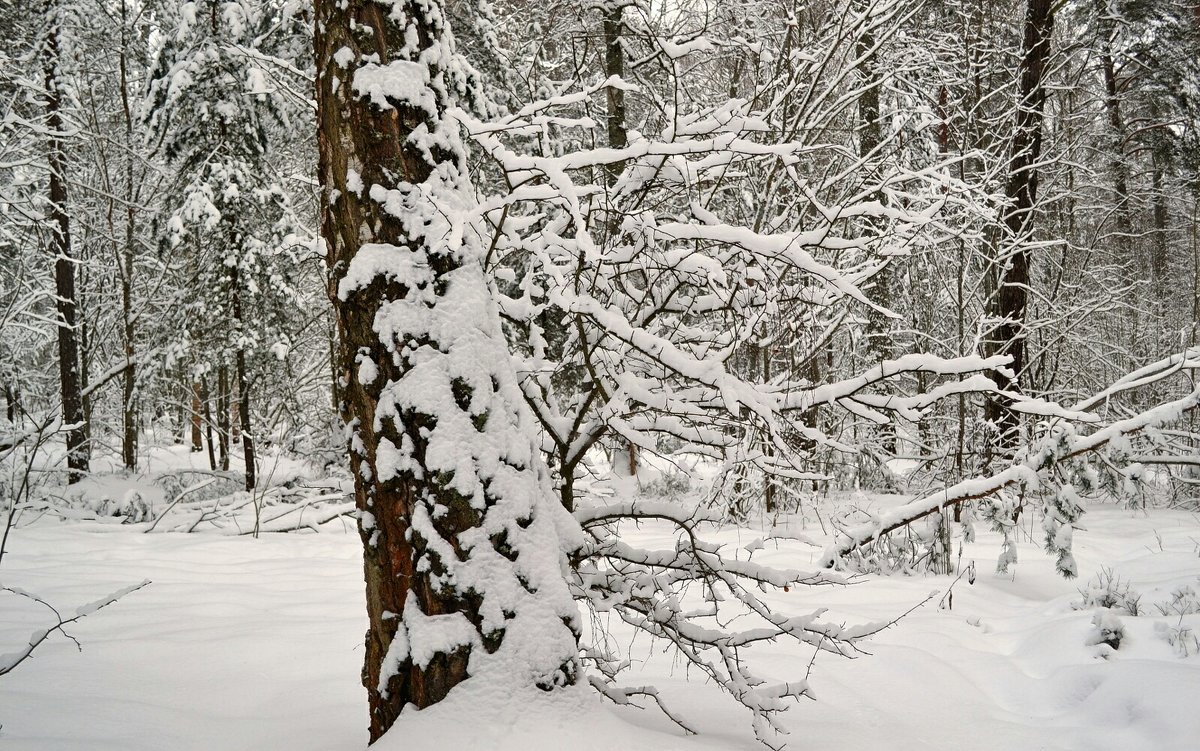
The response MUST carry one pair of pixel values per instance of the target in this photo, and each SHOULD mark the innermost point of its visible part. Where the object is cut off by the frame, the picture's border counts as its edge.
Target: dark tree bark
(386, 72)
(12, 401)
(242, 406)
(614, 65)
(353, 131)
(129, 423)
(625, 453)
(223, 415)
(1160, 258)
(879, 334)
(1007, 305)
(64, 265)
(1112, 107)
(208, 425)
(197, 420)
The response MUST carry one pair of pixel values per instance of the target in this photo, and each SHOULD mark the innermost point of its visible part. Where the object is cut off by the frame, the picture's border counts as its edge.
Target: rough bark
(614, 65)
(129, 422)
(208, 425)
(1007, 305)
(412, 511)
(223, 416)
(242, 405)
(1116, 124)
(879, 334)
(625, 460)
(197, 419)
(71, 386)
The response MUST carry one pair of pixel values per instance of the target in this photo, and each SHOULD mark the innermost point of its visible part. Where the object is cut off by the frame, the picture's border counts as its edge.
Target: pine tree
(212, 111)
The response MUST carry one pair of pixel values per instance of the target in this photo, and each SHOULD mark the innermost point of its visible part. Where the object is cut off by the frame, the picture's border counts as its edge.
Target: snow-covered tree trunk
(60, 247)
(463, 560)
(1008, 304)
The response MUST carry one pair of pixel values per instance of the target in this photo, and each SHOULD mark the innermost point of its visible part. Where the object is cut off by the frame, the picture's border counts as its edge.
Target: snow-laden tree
(636, 270)
(463, 541)
(214, 113)
(687, 290)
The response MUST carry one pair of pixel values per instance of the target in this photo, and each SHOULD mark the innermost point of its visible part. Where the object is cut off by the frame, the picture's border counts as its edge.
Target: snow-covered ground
(243, 643)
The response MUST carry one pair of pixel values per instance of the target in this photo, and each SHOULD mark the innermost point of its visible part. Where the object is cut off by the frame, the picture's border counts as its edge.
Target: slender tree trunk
(129, 421)
(181, 409)
(770, 489)
(208, 425)
(85, 346)
(64, 265)
(1007, 306)
(197, 420)
(223, 415)
(380, 77)
(129, 418)
(625, 461)
(1116, 124)
(11, 402)
(242, 405)
(879, 330)
(614, 65)
(1121, 245)
(235, 408)
(1160, 259)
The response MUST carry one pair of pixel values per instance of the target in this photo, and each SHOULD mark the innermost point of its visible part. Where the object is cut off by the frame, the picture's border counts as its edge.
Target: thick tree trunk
(71, 387)
(422, 361)
(1007, 305)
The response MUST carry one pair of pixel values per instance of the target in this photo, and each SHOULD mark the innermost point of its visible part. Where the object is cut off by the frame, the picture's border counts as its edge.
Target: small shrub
(1179, 636)
(668, 485)
(1107, 591)
(1184, 601)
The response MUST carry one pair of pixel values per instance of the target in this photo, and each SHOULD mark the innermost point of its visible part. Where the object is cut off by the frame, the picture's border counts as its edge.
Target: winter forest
(667, 374)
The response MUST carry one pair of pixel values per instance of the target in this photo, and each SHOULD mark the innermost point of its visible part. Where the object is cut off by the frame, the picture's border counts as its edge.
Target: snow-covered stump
(463, 560)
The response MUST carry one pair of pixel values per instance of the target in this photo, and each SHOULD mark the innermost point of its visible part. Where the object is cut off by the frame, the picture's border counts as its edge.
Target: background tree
(59, 246)
(212, 112)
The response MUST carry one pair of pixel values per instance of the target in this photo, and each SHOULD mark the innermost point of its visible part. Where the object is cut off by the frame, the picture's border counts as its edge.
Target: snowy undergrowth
(250, 644)
(176, 491)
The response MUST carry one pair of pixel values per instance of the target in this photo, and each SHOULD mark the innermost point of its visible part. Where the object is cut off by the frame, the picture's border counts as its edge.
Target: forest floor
(245, 643)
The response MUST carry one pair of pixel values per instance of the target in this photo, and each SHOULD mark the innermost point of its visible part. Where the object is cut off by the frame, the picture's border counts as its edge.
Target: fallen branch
(320, 515)
(10, 661)
(186, 491)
